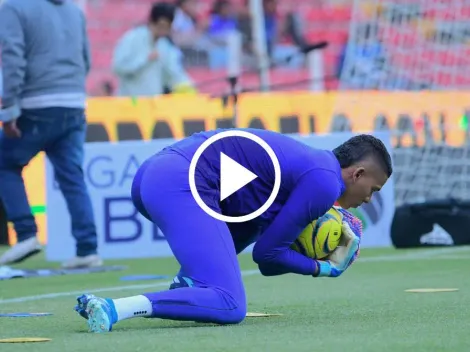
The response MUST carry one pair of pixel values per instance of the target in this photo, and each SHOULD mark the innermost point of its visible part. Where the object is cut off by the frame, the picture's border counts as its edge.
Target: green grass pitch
(364, 310)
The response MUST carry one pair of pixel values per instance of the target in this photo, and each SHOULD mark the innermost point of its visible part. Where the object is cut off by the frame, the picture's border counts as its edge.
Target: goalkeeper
(209, 286)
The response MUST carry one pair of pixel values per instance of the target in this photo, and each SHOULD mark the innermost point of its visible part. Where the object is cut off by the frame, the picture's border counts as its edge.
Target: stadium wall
(438, 116)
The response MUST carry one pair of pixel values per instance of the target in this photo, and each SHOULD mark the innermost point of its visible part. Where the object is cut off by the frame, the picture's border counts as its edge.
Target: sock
(132, 307)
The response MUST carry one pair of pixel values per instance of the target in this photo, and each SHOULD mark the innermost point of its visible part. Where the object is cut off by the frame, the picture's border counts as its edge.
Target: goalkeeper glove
(327, 268)
(343, 256)
(355, 225)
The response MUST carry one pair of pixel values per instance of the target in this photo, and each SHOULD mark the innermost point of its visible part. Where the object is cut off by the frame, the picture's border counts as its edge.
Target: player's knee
(235, 315)
(239, 315)
(236, 311)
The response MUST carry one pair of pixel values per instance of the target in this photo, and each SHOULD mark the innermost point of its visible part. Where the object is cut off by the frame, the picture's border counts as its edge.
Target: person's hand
(11, 129)
(342, 257)
(153, 55)
(326, 268)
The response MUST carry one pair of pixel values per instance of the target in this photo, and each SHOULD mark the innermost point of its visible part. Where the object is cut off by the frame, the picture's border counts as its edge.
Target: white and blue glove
(342, 257)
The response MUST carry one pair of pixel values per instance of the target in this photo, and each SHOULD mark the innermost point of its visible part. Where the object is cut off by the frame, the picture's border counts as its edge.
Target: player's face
(361, 184)
(160, 28)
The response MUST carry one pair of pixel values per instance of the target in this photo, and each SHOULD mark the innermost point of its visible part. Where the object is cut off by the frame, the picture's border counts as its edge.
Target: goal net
(411, 60)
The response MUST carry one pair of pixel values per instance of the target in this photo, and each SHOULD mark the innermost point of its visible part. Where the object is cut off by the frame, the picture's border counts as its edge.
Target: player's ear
(358, 173)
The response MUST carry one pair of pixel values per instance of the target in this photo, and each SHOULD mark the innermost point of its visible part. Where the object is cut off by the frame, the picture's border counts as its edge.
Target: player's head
(189, 7)
(160, 19)
(366, 166)
(222, 8)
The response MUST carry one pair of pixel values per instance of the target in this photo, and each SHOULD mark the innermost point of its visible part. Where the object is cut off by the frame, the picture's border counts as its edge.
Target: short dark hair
(180, 3)
(162, 10)
(361, 147)
(218, 6)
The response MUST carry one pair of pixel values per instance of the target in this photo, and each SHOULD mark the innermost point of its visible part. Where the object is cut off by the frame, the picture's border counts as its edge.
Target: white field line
(451, 257)
(421, 254)
(98, 290)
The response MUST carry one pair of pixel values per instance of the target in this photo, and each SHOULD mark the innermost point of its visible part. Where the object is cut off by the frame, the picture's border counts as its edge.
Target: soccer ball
(321, 237)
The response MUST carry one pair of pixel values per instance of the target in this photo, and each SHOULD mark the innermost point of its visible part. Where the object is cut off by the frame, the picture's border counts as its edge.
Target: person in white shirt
(146, 61)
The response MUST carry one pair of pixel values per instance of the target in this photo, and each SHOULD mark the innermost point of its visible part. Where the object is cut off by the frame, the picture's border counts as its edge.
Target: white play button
(233, 176)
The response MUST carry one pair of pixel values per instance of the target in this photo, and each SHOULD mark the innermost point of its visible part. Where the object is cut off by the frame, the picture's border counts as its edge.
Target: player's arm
(315, 193)
(174, 73)
(86, 46)
(12, 48)
(130, 56)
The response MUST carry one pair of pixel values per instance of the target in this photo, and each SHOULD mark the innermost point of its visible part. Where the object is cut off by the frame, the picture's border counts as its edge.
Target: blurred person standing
(271, 26)
(1, 75)
(222, 21)
(3, 216)
(146, 61)
(45, 60)
(188, 28)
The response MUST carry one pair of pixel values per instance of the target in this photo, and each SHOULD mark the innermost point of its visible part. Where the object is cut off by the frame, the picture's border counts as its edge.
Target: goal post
(411, 59)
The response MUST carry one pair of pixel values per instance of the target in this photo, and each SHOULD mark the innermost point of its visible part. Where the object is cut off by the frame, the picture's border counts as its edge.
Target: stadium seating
(109, 19)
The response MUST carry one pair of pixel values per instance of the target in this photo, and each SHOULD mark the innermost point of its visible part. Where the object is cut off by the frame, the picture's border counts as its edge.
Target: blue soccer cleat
(99, 312)
(181, 281)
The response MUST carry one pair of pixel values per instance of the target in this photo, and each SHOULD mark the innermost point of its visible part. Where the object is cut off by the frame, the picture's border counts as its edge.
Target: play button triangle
(233, 176)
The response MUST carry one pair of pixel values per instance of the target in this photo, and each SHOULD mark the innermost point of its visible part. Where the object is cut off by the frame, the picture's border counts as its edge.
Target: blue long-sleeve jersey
(311, 182)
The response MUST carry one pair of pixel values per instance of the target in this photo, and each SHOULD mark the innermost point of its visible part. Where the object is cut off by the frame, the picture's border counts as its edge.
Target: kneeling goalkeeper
(209, 286)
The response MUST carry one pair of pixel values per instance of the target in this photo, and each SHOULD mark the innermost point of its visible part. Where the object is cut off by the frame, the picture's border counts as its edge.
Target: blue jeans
(60, 133)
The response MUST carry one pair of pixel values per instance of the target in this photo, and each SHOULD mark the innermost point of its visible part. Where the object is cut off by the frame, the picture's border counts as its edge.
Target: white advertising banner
(109, 169)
